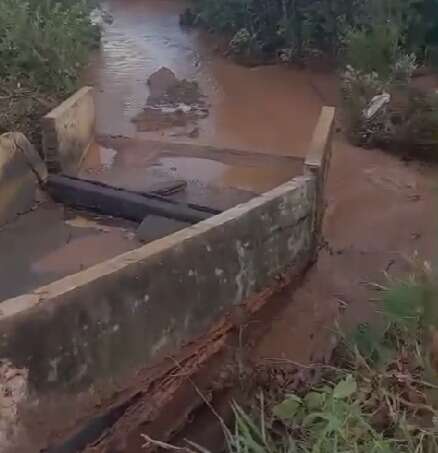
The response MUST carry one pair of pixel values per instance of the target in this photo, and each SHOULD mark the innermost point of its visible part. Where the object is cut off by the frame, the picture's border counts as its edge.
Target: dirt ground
(380, 212)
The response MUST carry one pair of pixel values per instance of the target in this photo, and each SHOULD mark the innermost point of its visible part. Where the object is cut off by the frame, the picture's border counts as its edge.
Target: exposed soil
(163, 398)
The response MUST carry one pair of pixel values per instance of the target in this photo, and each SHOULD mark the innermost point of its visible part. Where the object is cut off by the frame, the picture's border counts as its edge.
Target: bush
(45, 43)
(314, 27)
(379, 397)
(373, 50)
(408, 122)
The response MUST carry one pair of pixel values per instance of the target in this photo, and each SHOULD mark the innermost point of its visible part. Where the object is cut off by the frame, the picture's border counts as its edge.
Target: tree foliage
(309, 26)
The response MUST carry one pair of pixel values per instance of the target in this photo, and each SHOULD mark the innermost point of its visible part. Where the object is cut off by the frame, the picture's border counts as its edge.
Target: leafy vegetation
(381, 42)
(302, 28)
(44, 43)
(381, 60)
(43, 46)
(407, 121)
(380, 397)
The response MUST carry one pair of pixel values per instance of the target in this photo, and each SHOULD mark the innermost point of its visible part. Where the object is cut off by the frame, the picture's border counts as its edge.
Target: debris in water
(171, 103)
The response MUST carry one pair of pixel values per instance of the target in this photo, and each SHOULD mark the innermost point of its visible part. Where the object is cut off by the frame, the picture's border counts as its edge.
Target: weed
(44, 43)
(43, 47)
(380, 400)
(303, 28)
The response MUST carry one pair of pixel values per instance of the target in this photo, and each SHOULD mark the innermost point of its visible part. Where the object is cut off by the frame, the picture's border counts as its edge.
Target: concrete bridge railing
(75, 335)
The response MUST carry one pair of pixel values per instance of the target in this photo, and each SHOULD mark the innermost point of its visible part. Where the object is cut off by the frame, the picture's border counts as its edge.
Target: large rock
(21, 171)
(161, 81)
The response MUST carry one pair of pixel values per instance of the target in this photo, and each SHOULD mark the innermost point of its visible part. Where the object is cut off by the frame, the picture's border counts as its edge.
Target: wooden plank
(119, 202)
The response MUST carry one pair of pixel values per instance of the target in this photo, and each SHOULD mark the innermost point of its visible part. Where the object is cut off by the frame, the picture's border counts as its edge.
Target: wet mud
(52, 241)
(217, 178)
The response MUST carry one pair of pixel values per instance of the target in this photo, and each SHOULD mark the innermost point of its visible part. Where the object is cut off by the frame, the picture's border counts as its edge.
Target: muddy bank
(381, 211)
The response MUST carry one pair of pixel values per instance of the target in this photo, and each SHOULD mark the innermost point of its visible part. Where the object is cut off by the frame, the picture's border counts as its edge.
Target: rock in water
(172, 103)
(161, 81)
(21, 171)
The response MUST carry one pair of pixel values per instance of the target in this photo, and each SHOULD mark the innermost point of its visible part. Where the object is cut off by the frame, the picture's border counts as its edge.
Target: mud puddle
(52, 241)
(217, 178)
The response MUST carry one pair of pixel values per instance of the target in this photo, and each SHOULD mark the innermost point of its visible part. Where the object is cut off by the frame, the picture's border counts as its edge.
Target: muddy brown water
(268, 109)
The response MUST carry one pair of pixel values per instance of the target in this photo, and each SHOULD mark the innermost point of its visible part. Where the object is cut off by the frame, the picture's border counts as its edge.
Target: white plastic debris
(100, 17)
(376, 103)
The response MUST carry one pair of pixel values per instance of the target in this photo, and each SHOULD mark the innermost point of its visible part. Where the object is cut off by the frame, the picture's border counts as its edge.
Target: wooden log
(118, 202)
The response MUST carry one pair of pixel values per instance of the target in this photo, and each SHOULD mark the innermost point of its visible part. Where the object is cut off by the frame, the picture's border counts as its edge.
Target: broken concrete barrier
(21, 171)
(105, 324)
(68, 130)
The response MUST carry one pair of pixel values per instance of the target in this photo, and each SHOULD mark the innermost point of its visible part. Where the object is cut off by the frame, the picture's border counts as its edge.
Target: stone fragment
(21, 171)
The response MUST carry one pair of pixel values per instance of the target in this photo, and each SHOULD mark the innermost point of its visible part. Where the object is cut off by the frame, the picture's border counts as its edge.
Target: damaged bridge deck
(137, 288)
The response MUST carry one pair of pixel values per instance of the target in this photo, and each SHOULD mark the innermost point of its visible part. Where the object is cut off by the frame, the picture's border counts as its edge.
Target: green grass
(45, 43)
(380, 398)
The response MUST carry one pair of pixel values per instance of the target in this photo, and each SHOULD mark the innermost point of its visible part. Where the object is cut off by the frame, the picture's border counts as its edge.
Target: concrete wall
(114, 318)
(122, 313)
(317, 164)
(21, 172)
(68, 130)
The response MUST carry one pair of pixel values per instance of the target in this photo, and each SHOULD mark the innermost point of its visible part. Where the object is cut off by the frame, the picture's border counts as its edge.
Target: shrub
(312, 27)
(373, 50)
(379, 398)
(241, 42)
(45, 43)
(408, 122)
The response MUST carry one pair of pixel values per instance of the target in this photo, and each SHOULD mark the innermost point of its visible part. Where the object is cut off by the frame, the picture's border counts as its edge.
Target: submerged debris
(171, 103)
